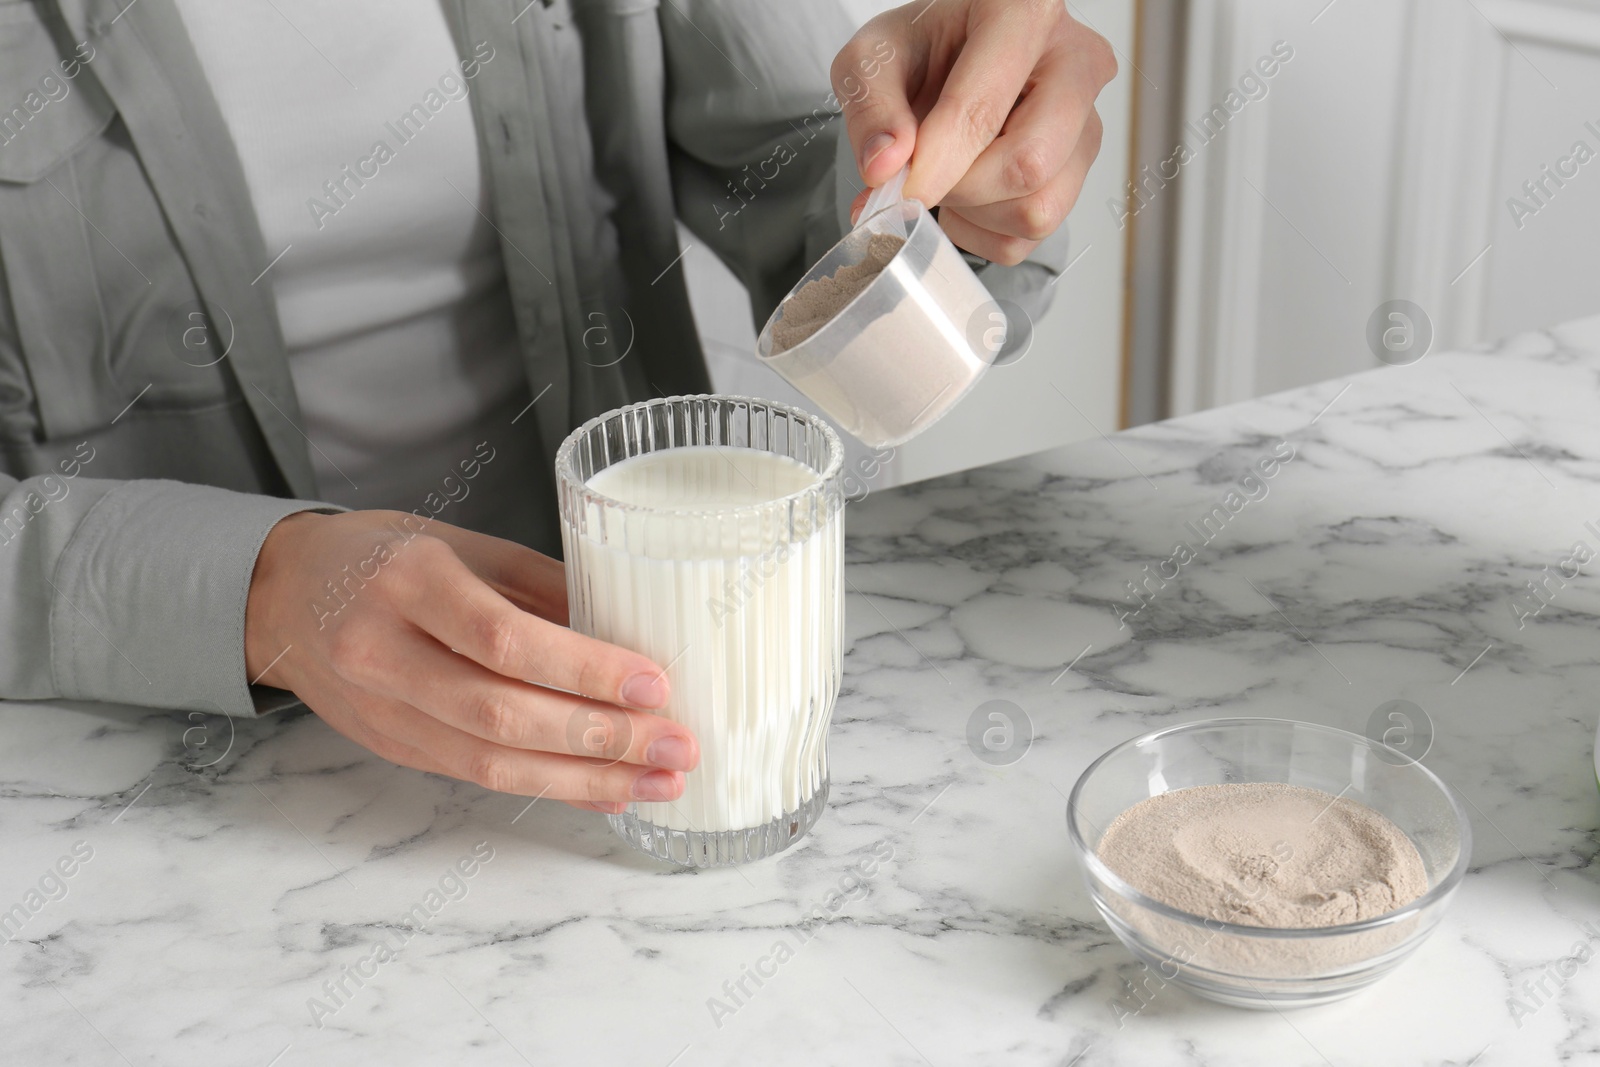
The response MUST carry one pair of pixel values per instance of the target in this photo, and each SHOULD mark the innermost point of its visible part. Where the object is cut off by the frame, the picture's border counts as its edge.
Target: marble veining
(265, 893)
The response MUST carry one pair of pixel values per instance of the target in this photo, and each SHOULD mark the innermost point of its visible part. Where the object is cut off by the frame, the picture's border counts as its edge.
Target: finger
(531, 580)
(508, 770)
(1039, 136)
(407, 665)
(857, 204)
(996, 247)
(342, 717)
(1037, 215)
(871, 78)
(1004, 44)
(446, 599)
(607, 808)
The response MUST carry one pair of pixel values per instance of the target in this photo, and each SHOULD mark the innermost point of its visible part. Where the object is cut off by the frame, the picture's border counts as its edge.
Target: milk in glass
(722, 564)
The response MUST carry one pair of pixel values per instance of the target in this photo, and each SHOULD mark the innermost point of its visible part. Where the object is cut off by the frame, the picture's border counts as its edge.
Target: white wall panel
(1384, 158)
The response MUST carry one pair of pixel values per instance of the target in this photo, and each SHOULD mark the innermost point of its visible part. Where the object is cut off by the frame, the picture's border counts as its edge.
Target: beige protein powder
(815, 304)
(1265, 854)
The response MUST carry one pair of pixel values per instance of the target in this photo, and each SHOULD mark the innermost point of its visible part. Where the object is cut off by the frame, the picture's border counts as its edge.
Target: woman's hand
(358, 615)
(992, 101)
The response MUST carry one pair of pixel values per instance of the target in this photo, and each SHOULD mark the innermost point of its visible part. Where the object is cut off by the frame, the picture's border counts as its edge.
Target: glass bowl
(1258, 966)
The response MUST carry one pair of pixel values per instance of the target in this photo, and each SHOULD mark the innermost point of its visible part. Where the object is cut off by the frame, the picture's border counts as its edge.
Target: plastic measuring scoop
(909, 345)
(885, 195)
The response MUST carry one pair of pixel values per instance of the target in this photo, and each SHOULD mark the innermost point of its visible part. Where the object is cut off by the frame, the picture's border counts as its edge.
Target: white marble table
(949, 924)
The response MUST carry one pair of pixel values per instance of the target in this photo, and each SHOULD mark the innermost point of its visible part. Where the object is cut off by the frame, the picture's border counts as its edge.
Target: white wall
(1549, 269)
(1379, 167)
(1077, 346)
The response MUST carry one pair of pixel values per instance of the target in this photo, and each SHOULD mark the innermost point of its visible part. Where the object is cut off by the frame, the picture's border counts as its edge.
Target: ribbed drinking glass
(706, 533)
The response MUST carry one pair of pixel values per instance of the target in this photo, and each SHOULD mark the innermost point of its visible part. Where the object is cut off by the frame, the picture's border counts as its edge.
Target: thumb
(869, 78)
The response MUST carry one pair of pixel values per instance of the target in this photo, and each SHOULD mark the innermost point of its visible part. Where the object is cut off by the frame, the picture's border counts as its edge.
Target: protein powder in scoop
(1265, 854)
(815, 304)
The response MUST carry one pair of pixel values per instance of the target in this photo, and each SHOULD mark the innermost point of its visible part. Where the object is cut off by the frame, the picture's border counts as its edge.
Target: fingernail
(656, 785)
(673, 753)
(875, 147)
(645, 690)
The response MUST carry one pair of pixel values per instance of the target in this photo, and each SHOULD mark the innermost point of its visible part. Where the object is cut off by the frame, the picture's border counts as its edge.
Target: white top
(390, 287)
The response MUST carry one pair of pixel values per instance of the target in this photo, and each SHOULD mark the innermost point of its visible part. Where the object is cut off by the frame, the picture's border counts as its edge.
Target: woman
(301, 299)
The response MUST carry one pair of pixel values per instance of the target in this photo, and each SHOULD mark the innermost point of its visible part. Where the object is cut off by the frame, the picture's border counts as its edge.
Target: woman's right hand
(448, 651)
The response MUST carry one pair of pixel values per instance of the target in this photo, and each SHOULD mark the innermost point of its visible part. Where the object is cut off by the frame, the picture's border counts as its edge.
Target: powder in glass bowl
(1264, 854)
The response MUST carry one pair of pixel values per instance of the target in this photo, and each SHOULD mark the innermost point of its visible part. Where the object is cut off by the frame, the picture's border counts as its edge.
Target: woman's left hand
(992, 102)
